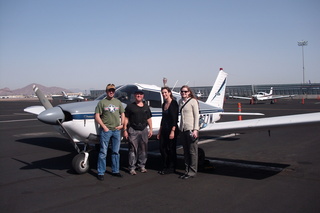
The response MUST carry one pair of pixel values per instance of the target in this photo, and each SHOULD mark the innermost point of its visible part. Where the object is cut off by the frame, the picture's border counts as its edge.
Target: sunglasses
(184, 91)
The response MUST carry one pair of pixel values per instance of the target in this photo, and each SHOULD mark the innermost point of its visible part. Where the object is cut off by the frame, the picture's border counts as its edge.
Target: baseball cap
(139, 91)
(111, 86)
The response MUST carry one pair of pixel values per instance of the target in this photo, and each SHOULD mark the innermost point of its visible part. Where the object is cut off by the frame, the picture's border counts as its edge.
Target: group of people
(136, 124)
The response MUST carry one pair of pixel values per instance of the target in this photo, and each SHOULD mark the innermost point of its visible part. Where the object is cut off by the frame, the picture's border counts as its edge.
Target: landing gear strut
(80, 162)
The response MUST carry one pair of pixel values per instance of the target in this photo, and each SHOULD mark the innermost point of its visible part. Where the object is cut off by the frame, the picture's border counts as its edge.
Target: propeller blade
(44, 101)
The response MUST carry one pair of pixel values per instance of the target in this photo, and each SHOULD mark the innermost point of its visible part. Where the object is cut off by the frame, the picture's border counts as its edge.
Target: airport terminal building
(308, 91)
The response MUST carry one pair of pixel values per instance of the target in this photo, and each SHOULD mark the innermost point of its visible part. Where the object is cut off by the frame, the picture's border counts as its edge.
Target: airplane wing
(261, 123)
(281, 96)
(241, 113)
(240, 97)
(35, 109)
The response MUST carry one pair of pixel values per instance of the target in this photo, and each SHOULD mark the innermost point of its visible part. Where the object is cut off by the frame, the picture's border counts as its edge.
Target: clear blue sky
(88, 44)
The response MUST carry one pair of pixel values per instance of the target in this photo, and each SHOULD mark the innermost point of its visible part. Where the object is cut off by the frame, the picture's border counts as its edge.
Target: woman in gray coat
(189, 127)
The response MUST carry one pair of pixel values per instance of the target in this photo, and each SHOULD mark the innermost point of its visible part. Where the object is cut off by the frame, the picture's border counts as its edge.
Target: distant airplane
(199, 94)
(263, 96)
(72, 97)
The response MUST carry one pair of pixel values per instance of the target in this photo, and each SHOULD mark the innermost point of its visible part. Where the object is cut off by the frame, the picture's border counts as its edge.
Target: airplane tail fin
(216, 96)
(64, 94)
(271, 90)
(44, 101)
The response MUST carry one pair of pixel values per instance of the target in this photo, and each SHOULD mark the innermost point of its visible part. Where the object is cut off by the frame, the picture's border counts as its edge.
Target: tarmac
(264, 171)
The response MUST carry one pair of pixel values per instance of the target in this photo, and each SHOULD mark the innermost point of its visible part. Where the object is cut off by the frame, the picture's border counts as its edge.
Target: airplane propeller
(52, 114)
(56, 116)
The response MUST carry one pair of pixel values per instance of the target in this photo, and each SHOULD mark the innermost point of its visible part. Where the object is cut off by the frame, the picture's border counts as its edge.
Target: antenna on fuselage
(174, 85)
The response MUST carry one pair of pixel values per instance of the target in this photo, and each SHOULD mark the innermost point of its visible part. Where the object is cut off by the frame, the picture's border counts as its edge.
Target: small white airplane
(76, 120)
(199, 94)
(72, 97)
(263, 96)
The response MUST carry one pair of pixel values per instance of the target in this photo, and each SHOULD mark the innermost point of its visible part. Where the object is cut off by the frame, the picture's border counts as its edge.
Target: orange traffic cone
(239, 110)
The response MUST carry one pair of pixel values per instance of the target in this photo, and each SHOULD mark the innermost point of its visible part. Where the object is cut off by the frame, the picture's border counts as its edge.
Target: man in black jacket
(137, 119)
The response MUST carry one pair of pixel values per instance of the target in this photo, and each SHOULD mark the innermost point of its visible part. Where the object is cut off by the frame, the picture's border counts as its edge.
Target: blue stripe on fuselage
(83, 116)
(91, 116)
(154, 114)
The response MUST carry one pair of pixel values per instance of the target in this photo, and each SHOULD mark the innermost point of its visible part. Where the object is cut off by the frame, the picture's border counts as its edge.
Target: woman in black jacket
(168, 131)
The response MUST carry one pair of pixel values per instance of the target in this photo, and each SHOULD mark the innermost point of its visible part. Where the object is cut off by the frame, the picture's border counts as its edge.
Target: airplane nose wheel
(80, 163)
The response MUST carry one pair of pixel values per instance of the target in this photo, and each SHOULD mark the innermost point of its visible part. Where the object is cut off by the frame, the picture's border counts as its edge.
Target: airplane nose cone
(50, 116)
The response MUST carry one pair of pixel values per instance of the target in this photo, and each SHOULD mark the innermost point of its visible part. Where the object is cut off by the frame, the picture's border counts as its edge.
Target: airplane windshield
(126, 95)
(101, 97)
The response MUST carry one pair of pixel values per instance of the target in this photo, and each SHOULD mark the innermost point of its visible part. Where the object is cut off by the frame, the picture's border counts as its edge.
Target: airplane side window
(125, 93)
(123, 97)
(153, 98)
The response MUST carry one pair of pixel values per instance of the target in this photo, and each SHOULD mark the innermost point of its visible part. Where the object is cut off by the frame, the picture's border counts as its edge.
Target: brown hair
(169, 90)
(191, 95)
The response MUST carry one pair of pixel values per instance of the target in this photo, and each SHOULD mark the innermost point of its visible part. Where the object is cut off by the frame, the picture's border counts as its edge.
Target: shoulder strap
(184, 105)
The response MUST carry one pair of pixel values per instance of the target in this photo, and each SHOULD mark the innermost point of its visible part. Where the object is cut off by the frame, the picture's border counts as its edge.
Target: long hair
(191, 95)
(169, 90)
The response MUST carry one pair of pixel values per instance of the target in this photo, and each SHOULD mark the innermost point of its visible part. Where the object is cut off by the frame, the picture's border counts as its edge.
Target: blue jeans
(115, 157)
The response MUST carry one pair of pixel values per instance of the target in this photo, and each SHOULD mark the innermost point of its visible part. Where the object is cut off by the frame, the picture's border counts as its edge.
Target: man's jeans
(115, 157)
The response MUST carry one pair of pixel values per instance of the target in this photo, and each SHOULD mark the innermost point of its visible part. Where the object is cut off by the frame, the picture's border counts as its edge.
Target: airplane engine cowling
(50, 116)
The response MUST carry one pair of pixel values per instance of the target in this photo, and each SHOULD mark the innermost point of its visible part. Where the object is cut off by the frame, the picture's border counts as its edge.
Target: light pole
(302, 44)
(164, 81)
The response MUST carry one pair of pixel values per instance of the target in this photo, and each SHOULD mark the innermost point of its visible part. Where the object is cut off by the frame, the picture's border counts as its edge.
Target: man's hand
(119, 127)
(125, 135)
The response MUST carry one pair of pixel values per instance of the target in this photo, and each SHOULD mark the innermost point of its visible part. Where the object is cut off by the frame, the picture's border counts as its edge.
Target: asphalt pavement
(264, 171)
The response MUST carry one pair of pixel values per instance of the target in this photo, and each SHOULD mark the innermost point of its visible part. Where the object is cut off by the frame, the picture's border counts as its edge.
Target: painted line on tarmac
(22, 113)
(32, 134)
(22, 120)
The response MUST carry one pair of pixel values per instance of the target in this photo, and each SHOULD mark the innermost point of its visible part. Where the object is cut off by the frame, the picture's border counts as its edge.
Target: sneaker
(161, 172)
(143, 170)
(117, 175)
(182, 176)
(100, 177)
(187, 177)
(133, 172)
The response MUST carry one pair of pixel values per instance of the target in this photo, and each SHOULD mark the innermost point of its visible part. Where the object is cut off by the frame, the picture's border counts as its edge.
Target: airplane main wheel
(78, 164)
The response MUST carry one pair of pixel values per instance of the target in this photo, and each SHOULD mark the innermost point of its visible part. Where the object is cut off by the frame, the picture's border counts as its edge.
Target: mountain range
(28, 90)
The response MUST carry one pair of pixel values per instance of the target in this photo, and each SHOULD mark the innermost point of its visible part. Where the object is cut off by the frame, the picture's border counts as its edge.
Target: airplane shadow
(47, 165)
(241, 168)
(55, 143)
(63, 162)
(215, 166)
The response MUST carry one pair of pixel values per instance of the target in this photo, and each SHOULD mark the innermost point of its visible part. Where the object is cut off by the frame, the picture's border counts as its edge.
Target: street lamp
(164, 81)
(302, 44)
